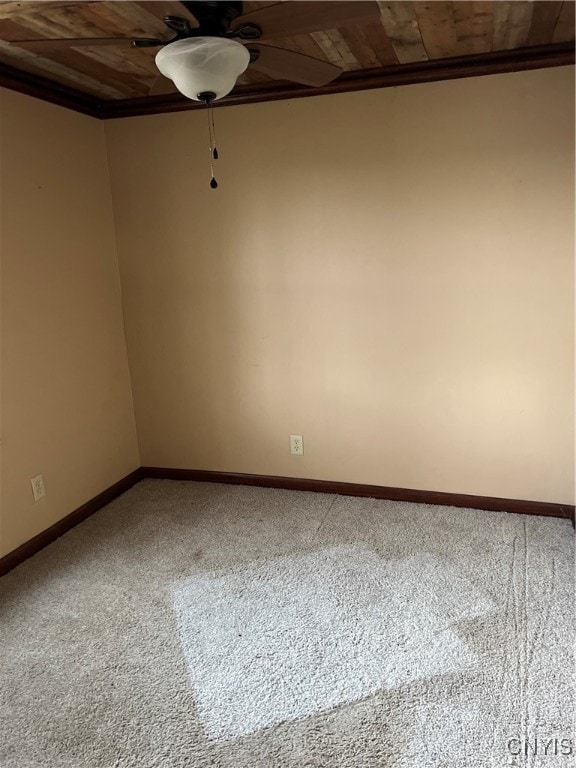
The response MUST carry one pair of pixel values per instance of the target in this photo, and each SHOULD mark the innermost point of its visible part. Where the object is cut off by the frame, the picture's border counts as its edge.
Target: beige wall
(387, 273)
(66, 406)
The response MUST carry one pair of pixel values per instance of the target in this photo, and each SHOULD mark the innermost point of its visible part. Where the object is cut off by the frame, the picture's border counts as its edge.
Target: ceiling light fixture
(203, 65)
(204, 69)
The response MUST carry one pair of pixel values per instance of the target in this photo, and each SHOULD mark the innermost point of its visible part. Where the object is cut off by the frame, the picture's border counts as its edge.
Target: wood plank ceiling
(405, 32)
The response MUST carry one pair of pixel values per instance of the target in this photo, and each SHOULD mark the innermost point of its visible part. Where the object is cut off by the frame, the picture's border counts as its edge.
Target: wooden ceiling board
(401, 24)
(360, 47)
(330, 51)
(315, 16)
(403, 34)
(350, 61)
(380, 43)
(512, 22)
(564, 29)
(544, 20)
(474, 26)
(436, 23)
(8, 9)
(125, 20)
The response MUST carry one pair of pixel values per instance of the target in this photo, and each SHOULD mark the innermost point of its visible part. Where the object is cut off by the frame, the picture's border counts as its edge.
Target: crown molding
(555, 55)
(498, 62)
(48, 90)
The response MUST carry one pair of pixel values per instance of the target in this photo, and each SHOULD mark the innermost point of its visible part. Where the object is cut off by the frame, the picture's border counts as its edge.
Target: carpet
(203, 626)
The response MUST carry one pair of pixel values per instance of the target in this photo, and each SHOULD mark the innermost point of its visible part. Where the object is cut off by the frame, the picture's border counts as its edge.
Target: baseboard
(29, 548)
(490, 503)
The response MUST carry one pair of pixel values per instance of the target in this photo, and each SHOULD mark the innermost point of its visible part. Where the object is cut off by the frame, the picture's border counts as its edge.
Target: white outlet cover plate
(38, 488)
(296, 445)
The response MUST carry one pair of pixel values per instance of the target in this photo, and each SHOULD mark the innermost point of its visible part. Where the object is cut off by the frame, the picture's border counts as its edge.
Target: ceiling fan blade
(290, 65)
(300, 17)
(161, 86)
(47, 43)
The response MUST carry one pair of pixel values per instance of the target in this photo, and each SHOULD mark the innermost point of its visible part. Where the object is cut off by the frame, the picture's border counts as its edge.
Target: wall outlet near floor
(38, 487)
(296, 445)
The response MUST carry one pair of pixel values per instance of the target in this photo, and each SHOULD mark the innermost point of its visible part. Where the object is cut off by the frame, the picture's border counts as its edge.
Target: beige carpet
(198, 625)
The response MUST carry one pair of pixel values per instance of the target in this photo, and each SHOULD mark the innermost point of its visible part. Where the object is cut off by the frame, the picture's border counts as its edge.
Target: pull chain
(215, 151)
(212, 144)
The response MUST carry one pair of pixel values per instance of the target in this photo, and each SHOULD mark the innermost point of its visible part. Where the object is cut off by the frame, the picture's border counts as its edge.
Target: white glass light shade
(203, 65)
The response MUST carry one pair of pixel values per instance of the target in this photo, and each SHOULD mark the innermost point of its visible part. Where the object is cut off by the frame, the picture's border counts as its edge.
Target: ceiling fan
(212, 43)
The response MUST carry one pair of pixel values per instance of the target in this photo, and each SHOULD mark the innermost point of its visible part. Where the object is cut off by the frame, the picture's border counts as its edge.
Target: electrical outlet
(296, 445)
(38, 487)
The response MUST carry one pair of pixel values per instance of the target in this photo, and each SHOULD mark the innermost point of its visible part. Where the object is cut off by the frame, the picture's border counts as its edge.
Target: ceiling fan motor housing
(201, 65)
(214, 17)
